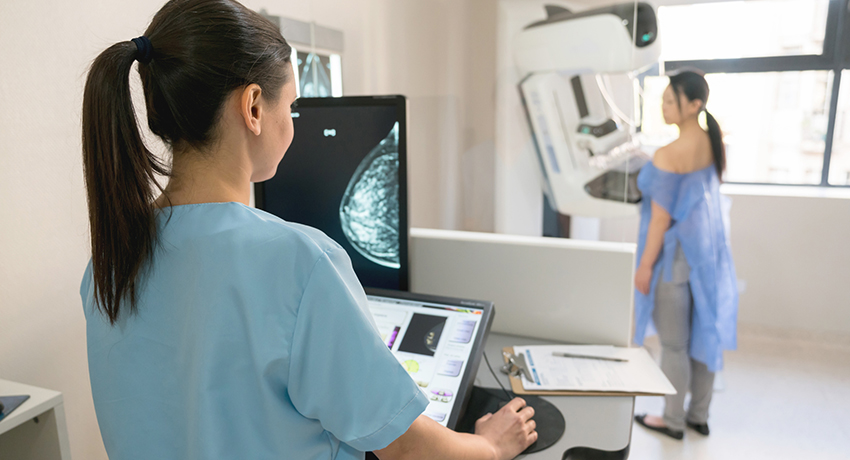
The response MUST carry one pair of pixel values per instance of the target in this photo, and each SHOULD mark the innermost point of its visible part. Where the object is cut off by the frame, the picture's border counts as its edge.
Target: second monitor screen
(341, 175)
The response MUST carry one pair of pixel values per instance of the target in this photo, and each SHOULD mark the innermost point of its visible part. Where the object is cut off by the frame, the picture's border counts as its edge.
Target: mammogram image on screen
(423, 334)
(369, 211)
(342, 175)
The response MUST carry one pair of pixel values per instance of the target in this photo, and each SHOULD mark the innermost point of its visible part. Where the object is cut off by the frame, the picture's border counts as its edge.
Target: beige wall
(441, 54)
(518, 206)
(434, 51)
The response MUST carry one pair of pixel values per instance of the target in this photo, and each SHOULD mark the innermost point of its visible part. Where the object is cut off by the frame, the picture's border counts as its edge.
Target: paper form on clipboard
(640, 374)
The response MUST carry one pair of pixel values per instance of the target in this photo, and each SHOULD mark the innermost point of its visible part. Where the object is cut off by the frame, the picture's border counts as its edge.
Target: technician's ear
(251, 107)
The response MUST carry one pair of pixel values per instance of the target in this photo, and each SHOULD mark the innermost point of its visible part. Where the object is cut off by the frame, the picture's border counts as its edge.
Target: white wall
(793, 253)
(434, 51)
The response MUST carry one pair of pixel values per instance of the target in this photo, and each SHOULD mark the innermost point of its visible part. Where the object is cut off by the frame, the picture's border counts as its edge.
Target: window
(776, 69)
(774, 123)
(839, 167)
(743, 29)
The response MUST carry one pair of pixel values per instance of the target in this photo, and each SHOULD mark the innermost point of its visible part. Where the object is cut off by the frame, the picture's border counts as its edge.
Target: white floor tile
(780, 399)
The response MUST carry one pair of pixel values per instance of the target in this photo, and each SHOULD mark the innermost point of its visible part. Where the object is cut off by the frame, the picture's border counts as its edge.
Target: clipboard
(517, 388)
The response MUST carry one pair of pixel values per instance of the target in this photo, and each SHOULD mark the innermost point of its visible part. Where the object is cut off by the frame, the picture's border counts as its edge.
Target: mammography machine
(589, 160)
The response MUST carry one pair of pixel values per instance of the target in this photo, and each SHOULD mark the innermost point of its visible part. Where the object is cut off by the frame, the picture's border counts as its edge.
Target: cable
(603, 88)
(497, 378)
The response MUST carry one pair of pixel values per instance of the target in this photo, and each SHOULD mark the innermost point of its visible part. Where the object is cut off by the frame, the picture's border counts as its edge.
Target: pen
(603, 358)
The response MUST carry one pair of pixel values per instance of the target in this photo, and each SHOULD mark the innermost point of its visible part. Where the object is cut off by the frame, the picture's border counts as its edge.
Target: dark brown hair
(692, 84)
(202, 50)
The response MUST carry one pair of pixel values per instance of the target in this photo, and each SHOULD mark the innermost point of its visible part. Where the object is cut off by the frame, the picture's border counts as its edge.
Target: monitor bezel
(400, 103)
(468, 380)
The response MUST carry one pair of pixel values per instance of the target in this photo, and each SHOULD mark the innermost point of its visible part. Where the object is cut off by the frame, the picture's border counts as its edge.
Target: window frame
(835, 57)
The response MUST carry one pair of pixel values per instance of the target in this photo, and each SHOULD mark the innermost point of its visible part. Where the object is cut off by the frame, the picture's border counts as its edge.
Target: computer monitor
(346, 174)
(439, 341)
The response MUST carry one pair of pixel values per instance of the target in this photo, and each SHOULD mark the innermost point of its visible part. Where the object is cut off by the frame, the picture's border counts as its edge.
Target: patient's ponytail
(120, 173)
(692, 84)
(718, 150)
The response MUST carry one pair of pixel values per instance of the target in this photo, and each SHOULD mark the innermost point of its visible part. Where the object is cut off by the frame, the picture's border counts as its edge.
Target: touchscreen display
(433, 343)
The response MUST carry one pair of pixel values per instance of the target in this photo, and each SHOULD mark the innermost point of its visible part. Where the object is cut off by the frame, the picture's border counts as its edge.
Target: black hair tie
(144, 48)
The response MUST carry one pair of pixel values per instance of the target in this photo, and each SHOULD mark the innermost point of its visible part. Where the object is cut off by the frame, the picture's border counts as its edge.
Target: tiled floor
(780, 399)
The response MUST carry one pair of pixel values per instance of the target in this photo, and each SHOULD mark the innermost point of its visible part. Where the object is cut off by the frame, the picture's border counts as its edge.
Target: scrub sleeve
(341, 373)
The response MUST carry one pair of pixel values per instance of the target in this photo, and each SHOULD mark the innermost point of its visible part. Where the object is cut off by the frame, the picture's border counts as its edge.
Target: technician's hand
(643, 278)
(510, 430)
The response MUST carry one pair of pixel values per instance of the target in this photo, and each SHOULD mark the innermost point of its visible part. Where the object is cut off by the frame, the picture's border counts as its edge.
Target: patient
(685, 280)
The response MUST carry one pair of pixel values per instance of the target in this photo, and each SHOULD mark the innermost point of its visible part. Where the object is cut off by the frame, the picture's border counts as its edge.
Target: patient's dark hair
(202, 50)
(693, 85)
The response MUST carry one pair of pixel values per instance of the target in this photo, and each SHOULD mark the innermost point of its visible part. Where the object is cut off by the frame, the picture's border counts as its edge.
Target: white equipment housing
(588, 160)
(548, 288)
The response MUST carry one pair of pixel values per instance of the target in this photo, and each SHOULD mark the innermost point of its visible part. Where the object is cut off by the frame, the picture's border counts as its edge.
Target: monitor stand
(550, 421)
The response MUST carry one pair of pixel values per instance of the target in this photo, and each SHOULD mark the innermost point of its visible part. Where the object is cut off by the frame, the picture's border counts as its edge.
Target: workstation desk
(37, 428)
(557, 290)
(598, 422)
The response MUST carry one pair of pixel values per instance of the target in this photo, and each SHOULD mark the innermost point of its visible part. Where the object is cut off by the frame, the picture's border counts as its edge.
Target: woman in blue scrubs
(685, 280)
(215, 330)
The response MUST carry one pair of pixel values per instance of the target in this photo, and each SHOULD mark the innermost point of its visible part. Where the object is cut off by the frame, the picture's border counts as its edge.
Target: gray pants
(672, 316)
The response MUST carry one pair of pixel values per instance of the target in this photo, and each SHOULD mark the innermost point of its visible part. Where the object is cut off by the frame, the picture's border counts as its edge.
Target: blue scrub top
(253, 340)
(700, 225)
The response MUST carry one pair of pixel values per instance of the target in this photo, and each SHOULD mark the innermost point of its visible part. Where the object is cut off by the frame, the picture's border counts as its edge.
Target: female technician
(685, 277)
(217, 331)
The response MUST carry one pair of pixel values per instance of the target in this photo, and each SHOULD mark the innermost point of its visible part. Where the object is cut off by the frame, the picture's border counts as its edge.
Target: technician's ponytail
(120, 178)
(192, 56)
(718, 150)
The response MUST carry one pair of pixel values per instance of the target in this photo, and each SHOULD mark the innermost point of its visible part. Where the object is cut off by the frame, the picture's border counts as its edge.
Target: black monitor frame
(488, 312)
(400, 103)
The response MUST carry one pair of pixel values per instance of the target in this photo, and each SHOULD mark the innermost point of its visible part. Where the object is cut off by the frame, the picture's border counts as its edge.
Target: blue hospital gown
(699, 225)
(253, 340)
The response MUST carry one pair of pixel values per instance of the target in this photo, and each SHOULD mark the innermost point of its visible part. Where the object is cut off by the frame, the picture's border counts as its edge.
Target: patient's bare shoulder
(667, 158)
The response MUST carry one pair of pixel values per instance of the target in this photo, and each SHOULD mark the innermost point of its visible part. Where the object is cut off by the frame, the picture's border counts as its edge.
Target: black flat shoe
(701, 428)
(663, 430)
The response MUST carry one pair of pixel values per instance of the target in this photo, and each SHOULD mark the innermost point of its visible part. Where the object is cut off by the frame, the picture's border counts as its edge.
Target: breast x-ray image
(342, 174)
